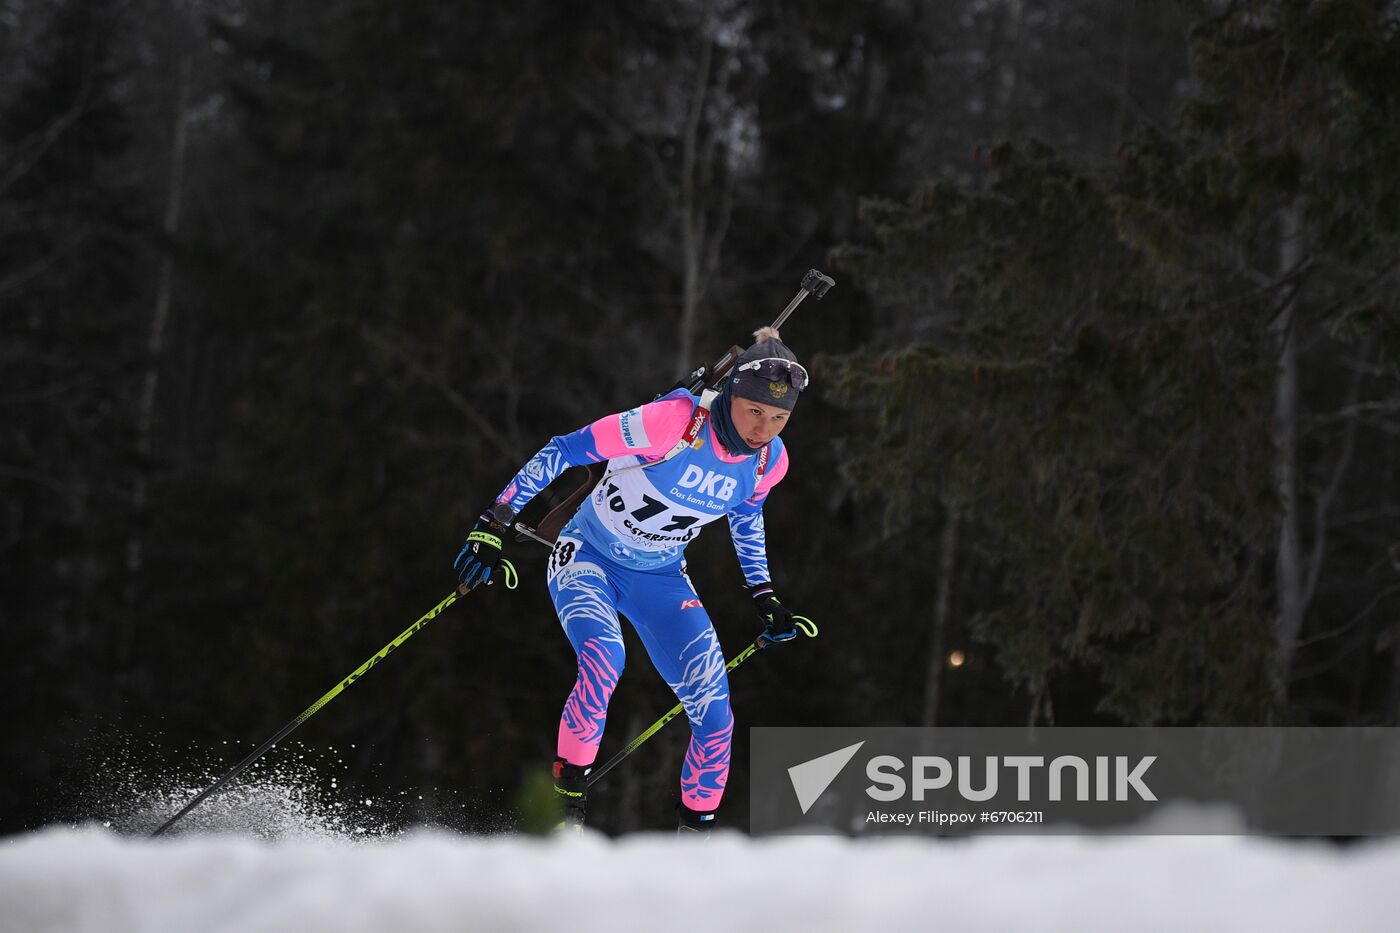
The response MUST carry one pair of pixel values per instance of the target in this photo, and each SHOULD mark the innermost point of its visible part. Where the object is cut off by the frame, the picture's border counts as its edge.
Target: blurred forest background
(1105, 417)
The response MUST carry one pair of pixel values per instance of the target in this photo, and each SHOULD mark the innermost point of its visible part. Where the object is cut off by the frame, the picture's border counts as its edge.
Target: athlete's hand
(778, 620)
(481, 554)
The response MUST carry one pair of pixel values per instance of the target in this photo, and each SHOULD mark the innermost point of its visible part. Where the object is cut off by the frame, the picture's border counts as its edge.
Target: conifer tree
(1101, 406)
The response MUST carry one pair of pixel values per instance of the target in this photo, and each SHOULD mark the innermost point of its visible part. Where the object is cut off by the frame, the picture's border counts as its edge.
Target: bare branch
(36, 269)
(40, 143)
(1324, 501)
(1350, 623)
(658, 167)
(451, 395)
(30, 476)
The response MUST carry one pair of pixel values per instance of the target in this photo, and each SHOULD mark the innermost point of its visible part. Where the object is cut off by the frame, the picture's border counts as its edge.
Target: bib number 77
(650, 508)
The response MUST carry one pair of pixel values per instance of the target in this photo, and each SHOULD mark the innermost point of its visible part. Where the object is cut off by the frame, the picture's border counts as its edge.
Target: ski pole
(331, 694)
(803, 623)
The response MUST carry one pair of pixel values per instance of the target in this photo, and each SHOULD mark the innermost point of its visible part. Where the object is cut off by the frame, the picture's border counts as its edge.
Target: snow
(91, 879)
(291, 846)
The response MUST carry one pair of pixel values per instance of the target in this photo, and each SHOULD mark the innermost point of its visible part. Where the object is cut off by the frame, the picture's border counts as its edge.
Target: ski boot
(693, 823)
(571, 786)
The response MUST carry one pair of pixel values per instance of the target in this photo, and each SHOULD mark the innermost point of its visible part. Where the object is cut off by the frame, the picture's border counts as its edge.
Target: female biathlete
(624, 551)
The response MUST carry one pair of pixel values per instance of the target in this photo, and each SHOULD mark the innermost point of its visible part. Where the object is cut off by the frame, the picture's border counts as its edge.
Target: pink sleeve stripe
(648, 431)
(773, 475)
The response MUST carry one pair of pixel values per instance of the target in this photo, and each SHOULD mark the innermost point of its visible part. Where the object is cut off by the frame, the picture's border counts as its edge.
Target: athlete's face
(757, 423)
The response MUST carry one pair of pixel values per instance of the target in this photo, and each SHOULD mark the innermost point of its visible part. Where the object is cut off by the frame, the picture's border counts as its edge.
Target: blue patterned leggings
(588, 591)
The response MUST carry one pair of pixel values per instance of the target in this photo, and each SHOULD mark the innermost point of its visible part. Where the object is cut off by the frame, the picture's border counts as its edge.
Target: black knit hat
(768, 372)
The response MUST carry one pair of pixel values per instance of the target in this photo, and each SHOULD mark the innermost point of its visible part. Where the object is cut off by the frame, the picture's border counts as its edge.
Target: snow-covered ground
(90, 879)
(292, 848)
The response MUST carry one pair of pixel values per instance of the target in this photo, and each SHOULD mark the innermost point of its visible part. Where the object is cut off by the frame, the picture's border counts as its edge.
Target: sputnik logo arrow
(811, 778)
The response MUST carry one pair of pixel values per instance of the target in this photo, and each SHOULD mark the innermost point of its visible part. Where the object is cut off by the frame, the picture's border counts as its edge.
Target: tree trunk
(693, 217)
(1120, 118)
(160, 317)
(1289, 565)
(1392, 465)
(1008, 71)
(934, 681)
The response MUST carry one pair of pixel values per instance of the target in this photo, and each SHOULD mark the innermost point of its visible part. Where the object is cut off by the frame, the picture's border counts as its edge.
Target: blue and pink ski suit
(624, 550)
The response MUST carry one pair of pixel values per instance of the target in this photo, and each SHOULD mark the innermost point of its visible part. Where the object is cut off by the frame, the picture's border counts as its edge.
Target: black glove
(482, 552)
(777, 619)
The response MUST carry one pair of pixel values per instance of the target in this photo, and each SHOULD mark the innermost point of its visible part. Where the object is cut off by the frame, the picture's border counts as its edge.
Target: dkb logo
(708, 483)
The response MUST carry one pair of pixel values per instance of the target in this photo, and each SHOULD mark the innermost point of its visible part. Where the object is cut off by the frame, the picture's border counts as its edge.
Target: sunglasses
(775, 368)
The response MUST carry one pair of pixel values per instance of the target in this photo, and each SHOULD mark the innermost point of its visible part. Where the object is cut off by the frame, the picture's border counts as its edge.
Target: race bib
(642, 517)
